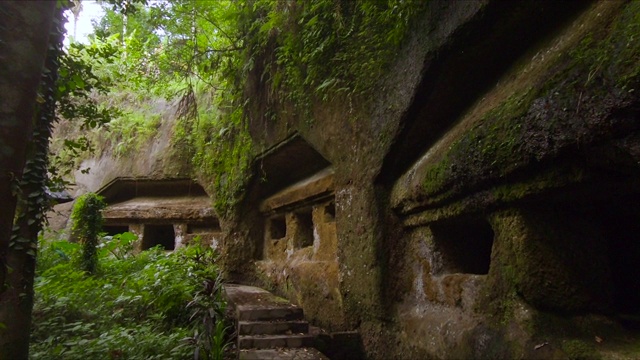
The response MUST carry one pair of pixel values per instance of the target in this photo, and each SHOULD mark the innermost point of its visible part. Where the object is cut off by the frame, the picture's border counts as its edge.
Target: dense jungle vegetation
(97, 298)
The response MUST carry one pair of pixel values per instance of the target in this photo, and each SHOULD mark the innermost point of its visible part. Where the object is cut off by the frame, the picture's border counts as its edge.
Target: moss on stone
(567, 108)
(223, 153)
(580, 350)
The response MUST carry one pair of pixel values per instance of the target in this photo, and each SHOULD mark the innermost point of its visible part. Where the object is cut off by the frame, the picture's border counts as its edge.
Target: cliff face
(481, 202)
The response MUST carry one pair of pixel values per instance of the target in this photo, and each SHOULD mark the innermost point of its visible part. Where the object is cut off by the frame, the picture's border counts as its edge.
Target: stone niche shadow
(162, 235)
(296, 247)
(618, 222)
(295, 192)
(576, 255)
(464, 245)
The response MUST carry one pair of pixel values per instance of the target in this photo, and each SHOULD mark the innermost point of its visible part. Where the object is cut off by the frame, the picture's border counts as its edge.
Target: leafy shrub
(55, 252)
(135, 307)
(119, 246)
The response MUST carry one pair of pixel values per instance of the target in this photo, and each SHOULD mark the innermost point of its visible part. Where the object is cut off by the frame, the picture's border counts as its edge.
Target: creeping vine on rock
(87, 225)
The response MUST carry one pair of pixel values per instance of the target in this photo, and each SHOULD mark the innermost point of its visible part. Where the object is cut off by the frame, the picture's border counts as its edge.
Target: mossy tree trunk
(24, 35)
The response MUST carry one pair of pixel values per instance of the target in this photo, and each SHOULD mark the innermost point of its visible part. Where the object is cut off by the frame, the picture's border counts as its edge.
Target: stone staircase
(269, 327)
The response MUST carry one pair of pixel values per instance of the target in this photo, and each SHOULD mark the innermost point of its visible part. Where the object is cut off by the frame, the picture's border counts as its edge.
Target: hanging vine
(87, 225)
(33, 199)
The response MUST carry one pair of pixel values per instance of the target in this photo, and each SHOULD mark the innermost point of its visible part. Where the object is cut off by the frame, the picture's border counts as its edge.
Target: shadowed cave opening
(277, 228)
(619, 222)
(162, 235)
(203, 228)
(330, 212)
(304, 235)
(465, 246)
(112, 230)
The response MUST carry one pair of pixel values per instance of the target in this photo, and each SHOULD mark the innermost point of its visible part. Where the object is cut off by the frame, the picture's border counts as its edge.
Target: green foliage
(146, 306)
(204, 54)
(129, 133)
(330, 48)
(55, 252)
(87, 225)
(223, 154)
(580, 350)
(81, 74)
(119, 246)
(85, 71)
(208, 305)
(610, 54)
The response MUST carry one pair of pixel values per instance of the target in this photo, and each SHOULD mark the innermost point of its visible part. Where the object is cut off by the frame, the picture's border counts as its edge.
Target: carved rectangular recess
(464, 246)
(290, 213)
(206, 228)
(330, 212)
(277, 227)
(304, 227)
(112, 230)
(163, 235)
(618, 220)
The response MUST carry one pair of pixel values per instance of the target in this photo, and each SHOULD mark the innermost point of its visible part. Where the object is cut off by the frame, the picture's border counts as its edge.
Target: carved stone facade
(166, 212)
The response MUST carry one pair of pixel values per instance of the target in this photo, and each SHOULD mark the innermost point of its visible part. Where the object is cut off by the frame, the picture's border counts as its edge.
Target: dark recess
(465, 246)
(277, 228)
(112, 230)
(480, 52)
(330, 212)
(286, 163)
(619, 223)
(305, 228)
(162, 235)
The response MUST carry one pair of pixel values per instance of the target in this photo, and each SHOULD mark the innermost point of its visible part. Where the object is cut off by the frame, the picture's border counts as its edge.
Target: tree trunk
(24, 34)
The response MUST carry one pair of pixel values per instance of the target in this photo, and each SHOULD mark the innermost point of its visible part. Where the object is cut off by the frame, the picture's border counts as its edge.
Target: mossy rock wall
(553, 261)
(491, 110)
(499, 116)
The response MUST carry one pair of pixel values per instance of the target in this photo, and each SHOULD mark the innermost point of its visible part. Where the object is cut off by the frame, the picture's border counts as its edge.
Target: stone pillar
(180, 231)
(138, 230)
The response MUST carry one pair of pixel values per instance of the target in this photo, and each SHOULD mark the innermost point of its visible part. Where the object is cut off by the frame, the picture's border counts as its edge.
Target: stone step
(253, 304)
(286, 312)
(274, 341)
(281, 354)
(272, 327)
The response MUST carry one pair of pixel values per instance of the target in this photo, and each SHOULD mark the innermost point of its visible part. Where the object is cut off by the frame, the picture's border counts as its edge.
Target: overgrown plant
(87, 226)
(208, 305)
(119, 246)
(324, 49)
(150, 305)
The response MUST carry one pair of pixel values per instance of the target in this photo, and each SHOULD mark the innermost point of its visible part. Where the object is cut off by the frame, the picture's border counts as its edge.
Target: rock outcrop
(484, 204)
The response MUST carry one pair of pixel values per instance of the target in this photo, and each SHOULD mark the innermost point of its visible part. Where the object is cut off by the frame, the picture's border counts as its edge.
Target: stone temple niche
(296, 217)
(159, 235)
(464, 246)
(295, 197)
(165, 212)
(297, 252)
(616, 221)
(115, 229)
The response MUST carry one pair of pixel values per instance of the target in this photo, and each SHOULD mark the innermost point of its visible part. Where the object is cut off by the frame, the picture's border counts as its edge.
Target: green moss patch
(566, 108)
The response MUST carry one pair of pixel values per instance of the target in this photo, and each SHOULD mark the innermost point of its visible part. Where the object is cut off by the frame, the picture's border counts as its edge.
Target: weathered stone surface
(317, 186)
(484, 205)
(281, 354)
(272, 327)
(265, 321)
(166, 212)
(274, 341)
(252, 304)
(166, 208)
